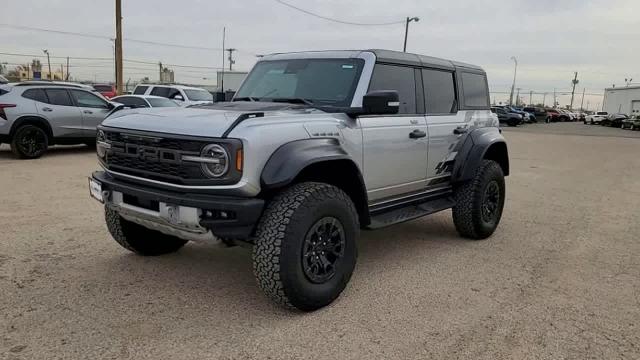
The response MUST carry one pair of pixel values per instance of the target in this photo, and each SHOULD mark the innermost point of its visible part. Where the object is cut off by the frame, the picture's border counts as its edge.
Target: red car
(106, 90)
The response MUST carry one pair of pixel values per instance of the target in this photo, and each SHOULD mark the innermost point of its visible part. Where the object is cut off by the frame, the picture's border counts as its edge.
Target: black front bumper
(246, 211)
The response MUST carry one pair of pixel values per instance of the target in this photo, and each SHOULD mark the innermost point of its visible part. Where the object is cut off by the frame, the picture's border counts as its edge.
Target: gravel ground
(558, 280)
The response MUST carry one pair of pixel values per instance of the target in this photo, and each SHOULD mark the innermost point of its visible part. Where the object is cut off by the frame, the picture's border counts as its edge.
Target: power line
(93, 36)
(336, 20)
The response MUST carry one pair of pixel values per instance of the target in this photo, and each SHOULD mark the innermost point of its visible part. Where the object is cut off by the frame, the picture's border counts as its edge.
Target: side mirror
(178, 97)
(381, 102)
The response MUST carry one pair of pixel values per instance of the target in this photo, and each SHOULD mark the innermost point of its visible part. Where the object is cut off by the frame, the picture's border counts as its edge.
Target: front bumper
(185, 215)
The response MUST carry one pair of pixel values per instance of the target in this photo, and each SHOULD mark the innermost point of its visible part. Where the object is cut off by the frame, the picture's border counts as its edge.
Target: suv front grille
(155, 158)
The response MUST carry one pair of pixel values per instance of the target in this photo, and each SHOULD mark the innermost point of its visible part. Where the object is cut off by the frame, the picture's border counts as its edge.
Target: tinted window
(475, 90)
(399, 78)
(161, 102)
(131, 101)
(58, 97)
(35, 94)
(160, 91)
(198, 95)
(440, 91)
(85, 99)
(139, 90)
(103, 88)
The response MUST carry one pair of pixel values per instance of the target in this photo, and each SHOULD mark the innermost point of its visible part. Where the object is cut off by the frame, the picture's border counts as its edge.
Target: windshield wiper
(247, 98)
(293, 101)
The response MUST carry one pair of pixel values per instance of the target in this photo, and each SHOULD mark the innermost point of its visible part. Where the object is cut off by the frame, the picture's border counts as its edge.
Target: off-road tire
(280, 237)
(28, 133)
(468, 211)
(139, 239)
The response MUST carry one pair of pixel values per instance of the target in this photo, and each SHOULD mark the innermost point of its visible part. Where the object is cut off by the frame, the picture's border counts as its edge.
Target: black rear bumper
(245, 211)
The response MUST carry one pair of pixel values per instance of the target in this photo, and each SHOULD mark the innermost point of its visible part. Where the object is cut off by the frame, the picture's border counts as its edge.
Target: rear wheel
(29, 142)
(305, 250)
(139, 239)
(479, 202)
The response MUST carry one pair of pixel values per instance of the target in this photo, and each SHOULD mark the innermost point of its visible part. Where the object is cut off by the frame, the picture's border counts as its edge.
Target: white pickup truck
(596, 118)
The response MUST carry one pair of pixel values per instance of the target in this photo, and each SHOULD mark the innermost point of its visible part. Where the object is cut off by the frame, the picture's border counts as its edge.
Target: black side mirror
(381, 102)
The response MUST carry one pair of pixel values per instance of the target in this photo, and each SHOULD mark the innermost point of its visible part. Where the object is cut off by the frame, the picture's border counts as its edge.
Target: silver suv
(35, 115)
(314, 147)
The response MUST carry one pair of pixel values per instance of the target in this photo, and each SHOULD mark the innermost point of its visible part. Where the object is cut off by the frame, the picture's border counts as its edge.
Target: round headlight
(100, 143)
(215, 160)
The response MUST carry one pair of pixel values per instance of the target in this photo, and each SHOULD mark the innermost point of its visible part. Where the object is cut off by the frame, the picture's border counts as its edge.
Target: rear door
(94, 109)
(394, 159)
(65, 118)
(443, 118)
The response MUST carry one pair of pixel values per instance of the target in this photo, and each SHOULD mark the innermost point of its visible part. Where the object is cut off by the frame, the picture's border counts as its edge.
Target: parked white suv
(182, 95)
(596, 118)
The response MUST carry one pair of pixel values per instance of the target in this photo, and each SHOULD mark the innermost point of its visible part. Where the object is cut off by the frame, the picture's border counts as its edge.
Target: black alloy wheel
(322, 250)
(29, 142)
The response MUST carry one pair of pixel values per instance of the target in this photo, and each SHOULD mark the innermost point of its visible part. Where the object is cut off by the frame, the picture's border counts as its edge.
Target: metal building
(622, 100)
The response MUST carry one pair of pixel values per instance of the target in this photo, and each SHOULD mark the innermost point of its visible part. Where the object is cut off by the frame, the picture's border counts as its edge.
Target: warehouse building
(622, 100)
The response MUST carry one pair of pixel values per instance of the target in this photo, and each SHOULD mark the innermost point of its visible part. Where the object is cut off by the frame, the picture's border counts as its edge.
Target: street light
(48, 62)
(406, 30)
(513, 86)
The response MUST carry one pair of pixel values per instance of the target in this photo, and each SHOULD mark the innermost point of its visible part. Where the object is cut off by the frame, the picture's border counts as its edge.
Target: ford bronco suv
(314, 147)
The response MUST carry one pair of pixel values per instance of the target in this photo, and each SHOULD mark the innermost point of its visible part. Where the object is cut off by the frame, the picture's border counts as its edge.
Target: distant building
(623, 100)
(167, 76)
(232, 80)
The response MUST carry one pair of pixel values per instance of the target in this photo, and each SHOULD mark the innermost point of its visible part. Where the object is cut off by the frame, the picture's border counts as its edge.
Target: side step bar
(410, 212)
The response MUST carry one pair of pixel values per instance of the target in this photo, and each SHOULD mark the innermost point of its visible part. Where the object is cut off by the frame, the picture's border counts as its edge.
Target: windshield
(198, 95)
(319, 81)
(162, 102)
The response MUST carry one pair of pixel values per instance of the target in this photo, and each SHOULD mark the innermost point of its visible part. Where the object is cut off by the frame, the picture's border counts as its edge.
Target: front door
(64, 117)
(395, 146)
(94, 109)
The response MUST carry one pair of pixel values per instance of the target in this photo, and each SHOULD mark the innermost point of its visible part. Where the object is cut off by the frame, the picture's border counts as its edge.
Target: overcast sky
(550, 38)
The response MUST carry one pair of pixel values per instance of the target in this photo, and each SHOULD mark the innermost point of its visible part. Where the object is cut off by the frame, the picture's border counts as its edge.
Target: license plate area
(95, 190)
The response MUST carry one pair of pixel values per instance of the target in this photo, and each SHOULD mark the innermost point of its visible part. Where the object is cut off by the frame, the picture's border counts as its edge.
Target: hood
(208, 120)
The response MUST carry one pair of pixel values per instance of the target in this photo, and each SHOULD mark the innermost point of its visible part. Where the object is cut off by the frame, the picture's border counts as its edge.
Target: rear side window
(35, 94)
(160, 91)
(475, 90)
(399, 78)
(139, 90)
(3, 91)
(440, 91)
(59, 97)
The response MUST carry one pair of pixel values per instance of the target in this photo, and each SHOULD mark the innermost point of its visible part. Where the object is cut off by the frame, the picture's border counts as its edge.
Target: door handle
(47, 109)
(460, 130)
(417, 134)
(87, 111)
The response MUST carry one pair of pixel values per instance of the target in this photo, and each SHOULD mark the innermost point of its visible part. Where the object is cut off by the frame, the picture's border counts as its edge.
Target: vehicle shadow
(221, 279)
(59, 150)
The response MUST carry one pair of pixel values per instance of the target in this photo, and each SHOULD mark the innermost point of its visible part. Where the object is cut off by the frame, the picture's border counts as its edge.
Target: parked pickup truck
(314, 147)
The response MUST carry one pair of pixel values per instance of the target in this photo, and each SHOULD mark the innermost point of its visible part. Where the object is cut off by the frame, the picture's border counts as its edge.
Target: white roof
(183, 87)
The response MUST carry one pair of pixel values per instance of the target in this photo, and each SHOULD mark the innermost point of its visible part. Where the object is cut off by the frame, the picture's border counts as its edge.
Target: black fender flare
(291, 158)
(477, 145)
(32, 120)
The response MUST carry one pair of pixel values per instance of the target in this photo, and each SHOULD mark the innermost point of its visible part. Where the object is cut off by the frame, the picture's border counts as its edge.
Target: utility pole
(406, 30)
(574, 82)
(67, 78)
(61, 72)
(160, 73)
(518, 96)
(119, 74)
(531, 98)
(515, 71)
(544, 98)
(48, 62)
(582, 101)
(224, 35)
(231, 61)
(555, 101)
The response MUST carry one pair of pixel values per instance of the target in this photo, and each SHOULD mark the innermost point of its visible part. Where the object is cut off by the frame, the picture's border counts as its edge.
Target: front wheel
(305, 250)
(29, 142)
(139, 239)
(479, 202)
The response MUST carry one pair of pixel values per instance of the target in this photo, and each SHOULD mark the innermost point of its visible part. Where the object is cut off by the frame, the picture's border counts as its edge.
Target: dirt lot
(559, 279)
